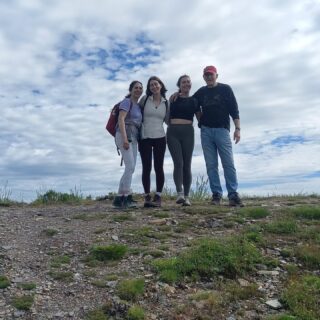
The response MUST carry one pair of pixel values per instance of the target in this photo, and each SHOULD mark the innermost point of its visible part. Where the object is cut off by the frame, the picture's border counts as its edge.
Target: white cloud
(54, 103)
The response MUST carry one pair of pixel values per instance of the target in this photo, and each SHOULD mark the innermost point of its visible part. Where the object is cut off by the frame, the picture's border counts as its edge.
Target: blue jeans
(216, 141)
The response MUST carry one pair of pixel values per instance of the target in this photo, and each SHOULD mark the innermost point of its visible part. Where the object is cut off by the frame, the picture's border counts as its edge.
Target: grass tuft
(307, 212)
(302, 297)
(53, 197)
(254, 212)
(309, 255)
(110, 252)
(135, 313)
(130, 289)
(23, 302)
(282, 227)
(4, 282)
(96, 315)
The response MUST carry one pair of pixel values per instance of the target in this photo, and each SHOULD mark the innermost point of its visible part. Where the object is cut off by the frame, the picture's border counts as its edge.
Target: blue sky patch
(287, 140)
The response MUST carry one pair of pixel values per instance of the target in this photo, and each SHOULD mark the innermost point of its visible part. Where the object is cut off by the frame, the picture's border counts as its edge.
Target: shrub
(4, 282)
(130, 289)
(110, 252)
(302, 297)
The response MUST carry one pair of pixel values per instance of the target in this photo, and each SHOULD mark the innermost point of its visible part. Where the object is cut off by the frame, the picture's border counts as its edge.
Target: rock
(115, 238)
(243, 282)
(158, 222)
(274, 304)
(268, 272)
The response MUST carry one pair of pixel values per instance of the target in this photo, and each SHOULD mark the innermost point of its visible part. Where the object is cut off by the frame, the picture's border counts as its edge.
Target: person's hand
(236, 135)
(174, 97)
(126, 145)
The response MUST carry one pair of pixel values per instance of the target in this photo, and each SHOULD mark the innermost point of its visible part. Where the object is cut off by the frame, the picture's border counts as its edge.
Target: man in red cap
(218, 103)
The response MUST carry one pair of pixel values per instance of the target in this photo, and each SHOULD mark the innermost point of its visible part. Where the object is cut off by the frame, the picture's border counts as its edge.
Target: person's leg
(175, 148)
(145, 149)
(224, 145)
(210, 153)
(187, 141)
(128, 157)
(159, 149)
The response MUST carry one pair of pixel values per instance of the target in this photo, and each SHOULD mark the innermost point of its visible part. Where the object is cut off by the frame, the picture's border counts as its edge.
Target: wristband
(237, 128)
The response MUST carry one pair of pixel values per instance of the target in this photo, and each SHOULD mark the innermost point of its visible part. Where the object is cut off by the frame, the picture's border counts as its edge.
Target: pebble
(274, 304)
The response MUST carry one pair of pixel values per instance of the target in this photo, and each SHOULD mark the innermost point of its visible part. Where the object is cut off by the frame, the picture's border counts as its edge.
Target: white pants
(129, 159)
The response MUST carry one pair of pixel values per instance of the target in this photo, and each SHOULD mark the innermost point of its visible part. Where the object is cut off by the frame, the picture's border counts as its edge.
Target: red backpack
(112, 122)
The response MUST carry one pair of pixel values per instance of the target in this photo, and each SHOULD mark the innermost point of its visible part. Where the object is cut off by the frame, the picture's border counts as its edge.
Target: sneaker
(235, 201)
(147, 202)
(187, 202)
(118, 202)
(216, 199)
(180, 200)
(157, 200)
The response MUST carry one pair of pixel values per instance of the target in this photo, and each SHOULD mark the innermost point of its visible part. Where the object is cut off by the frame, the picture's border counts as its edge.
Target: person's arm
(236, 135)
(122, 128)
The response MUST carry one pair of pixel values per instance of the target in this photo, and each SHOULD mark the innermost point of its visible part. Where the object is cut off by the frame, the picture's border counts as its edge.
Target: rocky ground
(48, 247)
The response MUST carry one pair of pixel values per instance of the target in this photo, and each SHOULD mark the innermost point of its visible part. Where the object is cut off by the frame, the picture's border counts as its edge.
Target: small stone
(268, 272)
(243, 282)
(274, 304)
(115, 238)
(158, 222)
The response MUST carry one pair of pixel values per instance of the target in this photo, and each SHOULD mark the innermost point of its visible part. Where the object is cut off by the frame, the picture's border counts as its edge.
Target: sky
(64, 64)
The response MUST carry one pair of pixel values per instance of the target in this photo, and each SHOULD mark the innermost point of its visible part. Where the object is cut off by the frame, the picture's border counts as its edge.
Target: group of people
(141, 128)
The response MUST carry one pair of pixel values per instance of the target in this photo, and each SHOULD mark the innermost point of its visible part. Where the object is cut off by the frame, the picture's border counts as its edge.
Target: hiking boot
(127, 202)
(180, 200)
(147, 202)
(187, 202)
(156, 200)
(235, 201)
(130, 198)
(118, 202)
(216, 199)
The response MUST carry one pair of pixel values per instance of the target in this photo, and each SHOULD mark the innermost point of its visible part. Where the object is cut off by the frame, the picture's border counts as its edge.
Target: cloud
(63, 65)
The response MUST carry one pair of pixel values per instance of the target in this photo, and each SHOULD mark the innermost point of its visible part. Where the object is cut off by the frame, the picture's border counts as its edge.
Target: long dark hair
(132, 84)
(163, 87)
(179, 80)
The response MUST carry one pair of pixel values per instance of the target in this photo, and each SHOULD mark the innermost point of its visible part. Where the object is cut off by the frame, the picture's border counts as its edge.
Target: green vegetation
(23, 302)
(254, 212)
(201, 191)
(282, 317)
(120, 217)
(49, 232)
(135, 313)
(282, 227)
(96, 315)
(53, 197)
(309, 255)
(302, 297)
(62, 275)
(109, 252)
(236, 292)
(4, 282)
(27, 285)
(130, 289)
(207, 258)
(90, 217)
(307, 212)
(56, 262)
(5, 195)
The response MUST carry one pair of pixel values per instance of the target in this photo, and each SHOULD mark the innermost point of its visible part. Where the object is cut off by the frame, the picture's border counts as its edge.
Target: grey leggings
(180, 139)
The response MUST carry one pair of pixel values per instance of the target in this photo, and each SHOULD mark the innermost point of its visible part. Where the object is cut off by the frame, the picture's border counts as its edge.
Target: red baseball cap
(210, 69)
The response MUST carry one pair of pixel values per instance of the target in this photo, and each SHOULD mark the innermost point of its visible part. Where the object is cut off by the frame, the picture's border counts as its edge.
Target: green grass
(234, 292)
(4, 282)
(254, 212)
(121, 217)
(27, 285)
(130, 289)
(96, 315)
(62, 275)
(201, 190)
(23, 302)
(109, 252)
(135, 313)
(56, 262)
(280, 226)
(49, 232)
(307, 212)
(309, 255)
(302, 297)
(208, 258)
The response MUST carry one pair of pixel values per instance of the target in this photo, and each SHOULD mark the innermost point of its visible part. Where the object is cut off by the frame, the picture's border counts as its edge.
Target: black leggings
(157, 147)
(180, 139)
